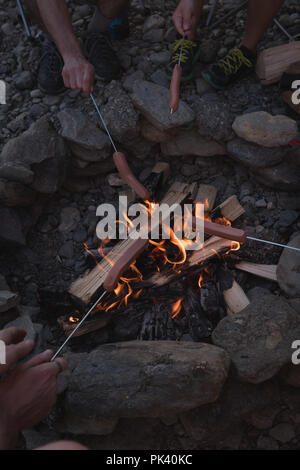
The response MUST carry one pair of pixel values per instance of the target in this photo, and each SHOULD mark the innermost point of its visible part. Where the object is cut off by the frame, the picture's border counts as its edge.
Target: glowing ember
(176, 308)
(73, 320)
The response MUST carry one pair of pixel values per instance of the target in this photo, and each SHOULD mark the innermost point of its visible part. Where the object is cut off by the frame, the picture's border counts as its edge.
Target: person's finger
(54, 368)
(88, 80)
(12, 335)
(66, 78)
(18, 351)
(41, 358)
(178, 22)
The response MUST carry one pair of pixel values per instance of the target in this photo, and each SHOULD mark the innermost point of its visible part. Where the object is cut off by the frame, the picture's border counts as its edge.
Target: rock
(154, 22)
(151, 133)
(8, 300)
(119, 114)
(15, 194)
(115, 180)
(190, 142)
(88, 425)
(189, 170)
(69, 219)
(3, 283)
(288, 218)
(259, 338)
(263, 418)
(213, 117)
(87, 142)
(291, 375)
(261, 204)
(160, 58)
(11, 231)
(24, 80)
(153, 103)
(67, 250)
(154, 35)
(202, 87)
(254, 156)
(264, 129)
(267, 443)
(26, 324)
(207, 424)
(144, 379)
(93, 169)
(288, 270)
(38, 158)
(77, 185)
(130, 80)
(283, 432)
(283, 177)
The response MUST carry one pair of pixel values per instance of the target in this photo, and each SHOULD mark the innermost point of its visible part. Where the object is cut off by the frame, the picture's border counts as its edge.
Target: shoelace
(186, 50)
(233, 61)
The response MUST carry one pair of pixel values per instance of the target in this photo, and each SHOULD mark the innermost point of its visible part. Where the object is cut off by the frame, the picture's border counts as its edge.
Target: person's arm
(78, 73)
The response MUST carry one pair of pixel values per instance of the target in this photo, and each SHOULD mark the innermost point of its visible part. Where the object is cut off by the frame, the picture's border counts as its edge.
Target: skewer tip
(171, 111)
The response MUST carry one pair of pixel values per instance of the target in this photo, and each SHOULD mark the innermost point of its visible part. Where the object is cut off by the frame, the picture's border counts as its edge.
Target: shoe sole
(207, 77)
(52, 93)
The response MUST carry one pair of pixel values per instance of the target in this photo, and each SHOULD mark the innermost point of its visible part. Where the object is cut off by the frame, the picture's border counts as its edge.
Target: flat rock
(15, 194)
(69, 219)
(11, 230)
(282, 177)
(38, 158)
(86, 140)
(259, 338)
(8, 300)
(144, 379)
(154, 135)
(190, 142)
(153, 103)
(264, 129)
(26, 324)
(288, 269)
(255, 156)
(213, 117)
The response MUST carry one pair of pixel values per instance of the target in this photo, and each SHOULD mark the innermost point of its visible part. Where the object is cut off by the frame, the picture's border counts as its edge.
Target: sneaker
(100, 53)
(189, 57)
(50, 78)
(238, 63)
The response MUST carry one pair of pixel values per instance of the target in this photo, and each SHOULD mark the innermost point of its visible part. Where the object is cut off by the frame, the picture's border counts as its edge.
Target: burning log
(273, 62)
(157, 179)
(231, 209)
(236, 299)
(68, 325)
(207, 195)
(262, 270)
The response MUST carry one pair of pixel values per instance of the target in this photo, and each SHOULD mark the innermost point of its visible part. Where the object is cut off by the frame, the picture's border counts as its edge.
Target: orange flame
(176, 308)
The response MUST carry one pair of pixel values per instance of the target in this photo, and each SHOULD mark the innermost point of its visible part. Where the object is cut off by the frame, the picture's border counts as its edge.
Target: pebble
(283, 432)
(261, 204)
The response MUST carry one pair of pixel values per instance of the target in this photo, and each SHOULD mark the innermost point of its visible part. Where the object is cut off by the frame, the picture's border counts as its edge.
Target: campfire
(182, 292)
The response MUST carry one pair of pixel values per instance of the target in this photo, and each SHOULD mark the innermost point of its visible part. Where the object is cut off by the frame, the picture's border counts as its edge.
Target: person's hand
(185, 18)
(78, 74)
(27, 395)
(15, 347)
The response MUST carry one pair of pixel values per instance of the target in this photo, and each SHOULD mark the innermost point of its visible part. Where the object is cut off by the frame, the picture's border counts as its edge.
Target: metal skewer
(291, 38)
(103, 122)
(274, 244)
(28, 33)
(78, 326)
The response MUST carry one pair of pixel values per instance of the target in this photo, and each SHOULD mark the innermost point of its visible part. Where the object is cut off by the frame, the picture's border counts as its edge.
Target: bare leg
(260, 17)
(63, 445)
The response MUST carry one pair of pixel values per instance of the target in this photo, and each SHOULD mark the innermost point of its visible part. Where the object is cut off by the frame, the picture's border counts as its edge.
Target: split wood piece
(235, 299)
(207, 195)
(262, 270)
(273, 62)
(157, 179)
(86, 287)
(215, 246)
(231, 209)
(129, 193)
(288, 99)
(164, 169)
(92, 325)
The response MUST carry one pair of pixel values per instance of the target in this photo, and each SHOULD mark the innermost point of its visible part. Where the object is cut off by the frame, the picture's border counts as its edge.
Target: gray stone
(154, 135)
(69, 219)
(267, 443)
(119, 114)
(67, 250)
(259, 338)
(288, 218)
(93, 169)
(213, 117)
(15, 194)
(131, 79)
(288, 269)
(154, 22)
(190, 142)
(283, 432)
(282, 177)
(202, 87)
(154, 35)
(264, 129)
(86, 140)
(153, 103)
(255, 156)
(38, 157)
(8, 300)
(90, 425)
(11, 231)
(26, 324)
(144, 379)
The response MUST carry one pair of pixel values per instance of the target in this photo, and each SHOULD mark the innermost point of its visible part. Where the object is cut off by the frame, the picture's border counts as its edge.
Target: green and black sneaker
(237, 64)
(189, 57)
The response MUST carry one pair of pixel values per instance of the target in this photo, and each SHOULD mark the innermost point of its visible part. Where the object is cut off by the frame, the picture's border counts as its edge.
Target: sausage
(131, 254)
(129, 178)
(175, 88)
(223, 231)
